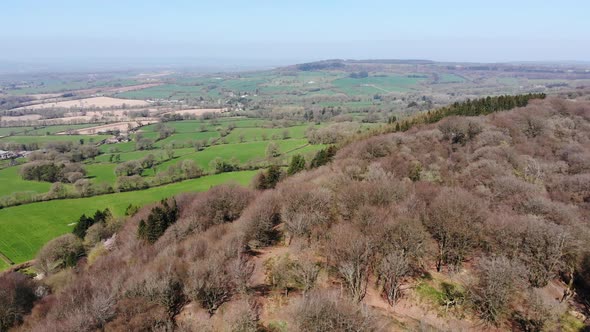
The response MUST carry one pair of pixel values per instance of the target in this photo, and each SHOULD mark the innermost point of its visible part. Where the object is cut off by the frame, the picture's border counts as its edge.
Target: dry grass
(95, 102)
(121, 126)
(28, 117)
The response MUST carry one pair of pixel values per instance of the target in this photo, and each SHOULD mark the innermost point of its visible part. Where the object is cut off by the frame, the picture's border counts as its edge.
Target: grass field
(243, 152)
(276, 86)
(60, 128)
(256, 134)
(101, 172)
(42, 131)
(119, 147)
(450, 78)
(26, 228)
(5, 131)
(193, 126)
(11, 182)
(52, 138)
(179, 139)
(376, 84)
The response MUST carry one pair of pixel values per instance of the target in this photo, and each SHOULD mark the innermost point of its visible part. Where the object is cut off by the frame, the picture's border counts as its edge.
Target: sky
(280, 32)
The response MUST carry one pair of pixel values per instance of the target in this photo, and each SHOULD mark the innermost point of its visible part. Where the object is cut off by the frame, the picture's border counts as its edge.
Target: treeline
(476, 107)
(270, 177)
(320, 65)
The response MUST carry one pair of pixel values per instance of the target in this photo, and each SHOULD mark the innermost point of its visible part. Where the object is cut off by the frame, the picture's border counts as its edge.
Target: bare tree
(321, 312)
(454, 220)
(392, 270)
(350, 252)
(210, 284)
(306, 208)
(543, 248)
(498, 279)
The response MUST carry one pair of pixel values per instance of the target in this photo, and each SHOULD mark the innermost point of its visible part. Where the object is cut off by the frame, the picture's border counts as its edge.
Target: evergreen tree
(273, 176)
(85, 222)
(323, 157)
(141, 229)
(159, 219)
(82, 226)
(297, 164)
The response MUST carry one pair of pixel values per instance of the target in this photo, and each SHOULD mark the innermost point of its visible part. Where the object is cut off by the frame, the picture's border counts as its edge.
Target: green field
(256, 134)
(52, 138)
(11, 182)
(376, 84)
(101, 172)
(243, 152)
(193, 126)
(42, 130)
(450, 78)
(180, 139)
(26, 228)
(60, 128)
(119, 147)
(6, 131)
(276, 86)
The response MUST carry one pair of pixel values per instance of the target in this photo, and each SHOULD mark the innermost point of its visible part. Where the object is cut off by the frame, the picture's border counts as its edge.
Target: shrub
(17, 294)
(269, 178)
(323, 157)
(498, 279)
(129, 168)
(260, 220)
(59, 253)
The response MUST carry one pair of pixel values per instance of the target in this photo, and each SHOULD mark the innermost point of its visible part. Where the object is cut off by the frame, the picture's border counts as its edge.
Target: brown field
(95, 102)
(121, 126)
(114, 90)
(199, 111)
(113, 114)
(107, 115)
(28, 117)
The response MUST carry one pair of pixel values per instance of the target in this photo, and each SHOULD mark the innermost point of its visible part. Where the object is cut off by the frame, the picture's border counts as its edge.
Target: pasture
(376, 84)
(276, 86)
(26, 228)
(41, 140)
(11, 182)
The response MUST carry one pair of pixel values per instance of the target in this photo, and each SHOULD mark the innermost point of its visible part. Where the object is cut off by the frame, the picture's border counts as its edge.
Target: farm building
(7, 155)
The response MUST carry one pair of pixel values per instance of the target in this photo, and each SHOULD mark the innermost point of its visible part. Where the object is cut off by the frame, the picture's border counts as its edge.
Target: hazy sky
(469, 30)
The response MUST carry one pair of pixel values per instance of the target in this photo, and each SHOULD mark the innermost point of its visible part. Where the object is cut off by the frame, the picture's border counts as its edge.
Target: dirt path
(259, 275)
(413, 314)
